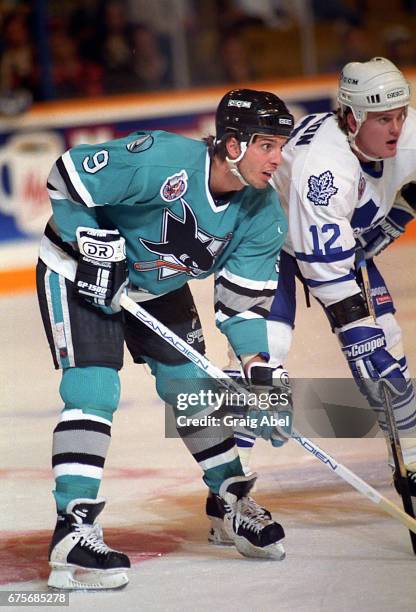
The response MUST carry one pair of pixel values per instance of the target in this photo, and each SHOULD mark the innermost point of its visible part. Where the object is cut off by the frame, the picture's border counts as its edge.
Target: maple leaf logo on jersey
(184, 247)
(321, 188)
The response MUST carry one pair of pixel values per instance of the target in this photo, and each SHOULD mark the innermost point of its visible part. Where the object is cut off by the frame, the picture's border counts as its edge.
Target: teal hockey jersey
(154, 188)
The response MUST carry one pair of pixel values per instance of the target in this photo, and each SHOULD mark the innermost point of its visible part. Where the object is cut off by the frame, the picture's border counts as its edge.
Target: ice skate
(409, 458)
(251, 527)
(78, 556)
(411, 479)
(215, 510)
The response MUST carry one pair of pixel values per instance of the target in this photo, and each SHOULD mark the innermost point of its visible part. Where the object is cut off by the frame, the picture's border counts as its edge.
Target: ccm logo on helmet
(349, 80)
(239, 103)
(395, 94)
(366, 347)
(98, 251)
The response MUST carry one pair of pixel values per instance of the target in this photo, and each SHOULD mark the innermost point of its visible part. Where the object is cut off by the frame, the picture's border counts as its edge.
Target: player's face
(380, 132)
(261, 159)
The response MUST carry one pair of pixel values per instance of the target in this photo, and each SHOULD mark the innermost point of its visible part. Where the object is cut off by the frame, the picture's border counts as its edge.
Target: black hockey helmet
(247, 111)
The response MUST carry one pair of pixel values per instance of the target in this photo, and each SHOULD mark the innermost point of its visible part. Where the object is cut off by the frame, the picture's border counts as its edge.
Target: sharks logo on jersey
(184, 247)
(321, 188)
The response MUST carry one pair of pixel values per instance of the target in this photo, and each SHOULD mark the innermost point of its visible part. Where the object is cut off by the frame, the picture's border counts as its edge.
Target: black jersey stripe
(218, 449)
(262, 312)
(57, 240)
(240, 290)
(227, 311)
(71, 189)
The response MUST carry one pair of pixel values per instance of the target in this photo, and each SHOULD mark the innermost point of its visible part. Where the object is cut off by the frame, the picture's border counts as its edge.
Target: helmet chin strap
(353, 135)
(356, 149)
(359, 119)
(232, 164)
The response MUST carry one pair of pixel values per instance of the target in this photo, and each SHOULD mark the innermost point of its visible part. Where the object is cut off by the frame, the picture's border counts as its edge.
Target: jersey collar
(374, 169)
(216, 205)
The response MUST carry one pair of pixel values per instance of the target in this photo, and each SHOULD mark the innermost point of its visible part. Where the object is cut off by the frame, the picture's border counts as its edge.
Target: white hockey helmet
(376, 85)
(373, 86)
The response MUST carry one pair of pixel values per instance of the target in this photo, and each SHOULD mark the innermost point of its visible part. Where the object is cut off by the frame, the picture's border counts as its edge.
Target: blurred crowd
(54, 49)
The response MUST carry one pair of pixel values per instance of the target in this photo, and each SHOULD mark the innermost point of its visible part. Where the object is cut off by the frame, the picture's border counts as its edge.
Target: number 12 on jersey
(322, 245)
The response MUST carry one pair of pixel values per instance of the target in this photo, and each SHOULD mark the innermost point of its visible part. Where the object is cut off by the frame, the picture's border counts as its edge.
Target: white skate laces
(78, 556)
(246, 514)
(250, 526)
(215, 509)
(255, 507)
(92, 538)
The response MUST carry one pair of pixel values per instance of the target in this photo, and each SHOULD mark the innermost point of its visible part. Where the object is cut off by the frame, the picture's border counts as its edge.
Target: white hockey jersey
(331, 197)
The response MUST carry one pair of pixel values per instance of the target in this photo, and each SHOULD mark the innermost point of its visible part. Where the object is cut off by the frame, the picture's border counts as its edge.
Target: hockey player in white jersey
(348, 181)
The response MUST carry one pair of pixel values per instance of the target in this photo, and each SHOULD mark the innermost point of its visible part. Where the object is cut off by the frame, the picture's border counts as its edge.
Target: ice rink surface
(343, 553)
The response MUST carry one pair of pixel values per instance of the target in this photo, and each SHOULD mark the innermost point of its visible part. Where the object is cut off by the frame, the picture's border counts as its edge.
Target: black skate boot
(411, 479)
(254, 532)
(77, 546)
(215, 511)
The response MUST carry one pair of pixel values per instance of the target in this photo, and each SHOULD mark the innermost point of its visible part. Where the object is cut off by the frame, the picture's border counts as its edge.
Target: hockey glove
(101, 275)
(393, 226)
(271, 416)
(364, 345)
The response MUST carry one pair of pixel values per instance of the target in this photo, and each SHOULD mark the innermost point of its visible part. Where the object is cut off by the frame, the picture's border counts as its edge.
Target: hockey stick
(394, 438)
(211, 370)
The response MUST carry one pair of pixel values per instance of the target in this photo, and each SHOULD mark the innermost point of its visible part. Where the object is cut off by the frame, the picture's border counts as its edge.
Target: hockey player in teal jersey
(146, 213)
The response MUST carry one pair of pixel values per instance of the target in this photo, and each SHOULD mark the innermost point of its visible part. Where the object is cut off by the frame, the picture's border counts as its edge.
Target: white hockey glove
(364, 345)
(393, 226)
(102, 273)
(271, 416)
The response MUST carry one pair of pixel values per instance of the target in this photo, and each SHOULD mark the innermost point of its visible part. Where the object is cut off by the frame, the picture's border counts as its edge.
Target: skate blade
(78, 579)
(218, 534)
(218, 537)
(273, 552)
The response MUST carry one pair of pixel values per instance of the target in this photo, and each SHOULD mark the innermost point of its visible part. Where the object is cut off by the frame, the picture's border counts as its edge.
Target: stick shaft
(394, 438)
(211, 370)
(355, 481)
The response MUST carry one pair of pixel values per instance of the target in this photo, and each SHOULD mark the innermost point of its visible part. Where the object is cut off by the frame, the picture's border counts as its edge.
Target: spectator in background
(116, 53)
(336, 10)
(236, 66)
(85, 24)
(150, 60)
(162, 16)
(400, 46)
(269, 13)
(354, 45)
(409, 6)
(172, 23)
(18, 74)
(72, 76)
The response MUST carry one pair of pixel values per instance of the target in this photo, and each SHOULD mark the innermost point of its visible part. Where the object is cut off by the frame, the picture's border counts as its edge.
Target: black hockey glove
(102, 273)
(271, 416)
